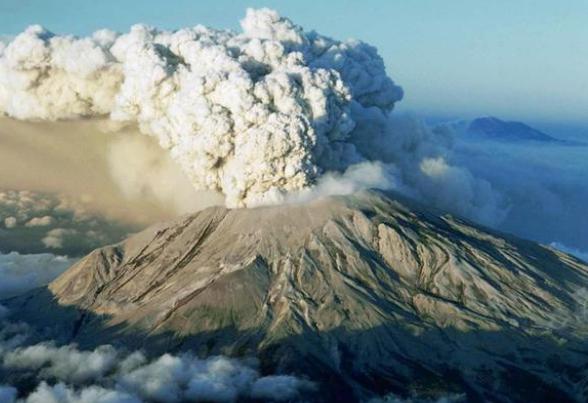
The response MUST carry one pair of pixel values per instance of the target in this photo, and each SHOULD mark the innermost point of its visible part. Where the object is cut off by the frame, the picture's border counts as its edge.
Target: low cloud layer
(543, 184)
(20, 273)
(34, 222)
(66, 374)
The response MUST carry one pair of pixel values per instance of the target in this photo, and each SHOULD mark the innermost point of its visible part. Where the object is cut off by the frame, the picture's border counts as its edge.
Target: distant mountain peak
(492, 127)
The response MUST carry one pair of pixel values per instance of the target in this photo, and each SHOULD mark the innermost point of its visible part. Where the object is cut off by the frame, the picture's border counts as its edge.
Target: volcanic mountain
(365, 294)
(496, 129)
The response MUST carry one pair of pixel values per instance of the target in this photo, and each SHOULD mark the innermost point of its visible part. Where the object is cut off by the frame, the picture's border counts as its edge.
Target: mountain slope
(369, 293)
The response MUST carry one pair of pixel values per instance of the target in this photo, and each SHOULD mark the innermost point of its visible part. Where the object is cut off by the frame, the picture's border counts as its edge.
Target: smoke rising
(268, 115)
(248, 115)
(255, 116)
(104, 168)
(141, 171)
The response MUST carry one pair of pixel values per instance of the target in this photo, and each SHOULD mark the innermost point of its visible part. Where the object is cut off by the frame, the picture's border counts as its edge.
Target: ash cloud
(268, 115)
(256, 116)
(142, 171)
(111, 171)
(67, 188)
(248, 115)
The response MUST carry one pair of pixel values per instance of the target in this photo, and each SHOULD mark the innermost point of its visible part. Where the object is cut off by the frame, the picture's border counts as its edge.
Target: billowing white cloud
(66, 363)
(259, 116)
(42, 76)
(360, 176)
(110, 375)
(61, 393)
(176, 379)
(249, 115)
(270, 113)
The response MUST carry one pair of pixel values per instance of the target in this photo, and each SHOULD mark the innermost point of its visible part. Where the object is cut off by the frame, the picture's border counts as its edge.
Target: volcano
(366, 294)
(495, 129)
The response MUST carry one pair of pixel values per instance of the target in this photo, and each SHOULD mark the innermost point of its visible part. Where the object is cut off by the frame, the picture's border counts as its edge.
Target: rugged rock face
(368, 293)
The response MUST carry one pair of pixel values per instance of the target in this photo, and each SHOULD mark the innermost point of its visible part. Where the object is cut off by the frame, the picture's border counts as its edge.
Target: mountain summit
(496, 129)
(366, 294)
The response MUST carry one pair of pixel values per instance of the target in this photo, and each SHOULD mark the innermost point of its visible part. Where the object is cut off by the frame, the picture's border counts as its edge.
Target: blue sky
(518, 59)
